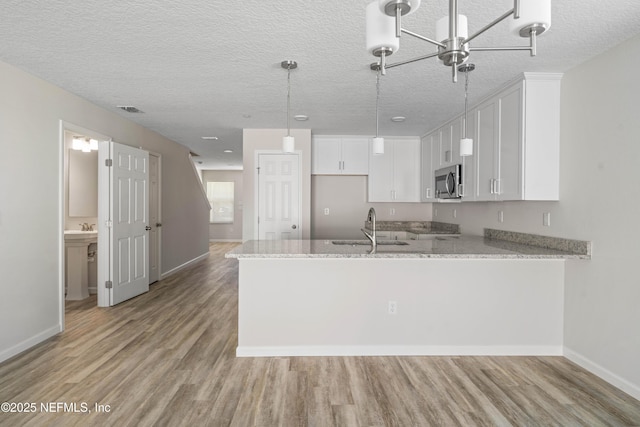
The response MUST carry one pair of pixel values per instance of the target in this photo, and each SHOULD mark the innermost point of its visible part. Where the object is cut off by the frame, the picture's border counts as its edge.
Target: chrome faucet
(87, 227)
(371, 218)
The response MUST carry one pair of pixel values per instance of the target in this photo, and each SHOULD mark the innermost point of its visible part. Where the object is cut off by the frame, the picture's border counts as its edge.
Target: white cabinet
(336, 155)
(395, 175)
(428, 158)
(517, 142)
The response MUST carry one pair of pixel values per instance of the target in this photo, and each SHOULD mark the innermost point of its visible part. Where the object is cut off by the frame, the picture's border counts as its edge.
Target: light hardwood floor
(167, 358)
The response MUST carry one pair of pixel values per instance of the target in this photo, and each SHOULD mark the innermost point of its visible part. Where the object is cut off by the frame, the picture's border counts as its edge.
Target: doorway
(67, 132)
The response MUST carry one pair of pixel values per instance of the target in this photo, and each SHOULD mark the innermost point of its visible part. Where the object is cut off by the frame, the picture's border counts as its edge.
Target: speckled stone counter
(416, 227)
(462, 247)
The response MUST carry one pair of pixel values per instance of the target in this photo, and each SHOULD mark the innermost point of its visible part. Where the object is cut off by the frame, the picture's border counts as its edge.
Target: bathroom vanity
(76, 243)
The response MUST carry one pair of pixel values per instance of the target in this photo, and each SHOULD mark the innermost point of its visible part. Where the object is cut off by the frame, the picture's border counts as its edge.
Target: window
(220, 195)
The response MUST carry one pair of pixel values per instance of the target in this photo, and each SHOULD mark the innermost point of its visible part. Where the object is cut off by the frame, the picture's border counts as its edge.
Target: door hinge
(108, 162)
(108, 223)
(258, 220)
(258, 168)
(108, 284)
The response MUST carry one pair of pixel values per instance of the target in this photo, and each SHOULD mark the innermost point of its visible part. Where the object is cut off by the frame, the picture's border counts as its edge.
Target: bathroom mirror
(83, 184)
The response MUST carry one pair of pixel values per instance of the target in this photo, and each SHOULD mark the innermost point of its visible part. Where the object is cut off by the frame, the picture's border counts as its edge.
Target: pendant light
(378, 142)
(288, 142)
(466, 144)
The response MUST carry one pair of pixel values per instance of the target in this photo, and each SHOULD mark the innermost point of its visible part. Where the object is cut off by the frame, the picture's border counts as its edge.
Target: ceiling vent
(130, 109)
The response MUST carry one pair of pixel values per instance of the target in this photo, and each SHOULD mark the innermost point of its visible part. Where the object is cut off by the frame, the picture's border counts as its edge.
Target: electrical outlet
(455, 213)
(500, 216)
(546, 219)
(435, 212)
(393, 307)
(326, 211)
(392, 211)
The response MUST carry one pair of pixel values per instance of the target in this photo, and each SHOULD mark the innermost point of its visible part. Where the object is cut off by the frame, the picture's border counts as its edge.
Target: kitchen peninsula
(445, 295)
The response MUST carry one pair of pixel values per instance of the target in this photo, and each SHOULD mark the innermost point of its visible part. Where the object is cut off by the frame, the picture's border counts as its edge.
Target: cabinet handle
(498, 189)
(492, 186)
(428, 193)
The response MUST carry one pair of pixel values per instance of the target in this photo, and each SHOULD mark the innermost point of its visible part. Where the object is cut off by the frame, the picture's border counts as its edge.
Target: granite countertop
(416, 227)
(461, 247)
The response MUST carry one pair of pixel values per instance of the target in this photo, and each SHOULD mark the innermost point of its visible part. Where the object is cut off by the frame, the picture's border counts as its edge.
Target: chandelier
(384, 28)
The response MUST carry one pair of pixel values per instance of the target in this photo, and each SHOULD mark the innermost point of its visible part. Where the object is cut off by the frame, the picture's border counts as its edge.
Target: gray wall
(31, 201)
(227, 232)
(346, 198)
(599, 178)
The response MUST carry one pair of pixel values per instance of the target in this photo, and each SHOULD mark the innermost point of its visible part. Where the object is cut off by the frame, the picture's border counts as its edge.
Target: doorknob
(294, 226)
(147, 228)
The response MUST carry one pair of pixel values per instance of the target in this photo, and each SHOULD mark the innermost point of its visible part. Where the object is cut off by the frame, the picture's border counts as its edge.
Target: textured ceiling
(211, 68)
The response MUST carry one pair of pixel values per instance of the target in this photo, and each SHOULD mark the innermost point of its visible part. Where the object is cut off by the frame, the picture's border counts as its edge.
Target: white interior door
(278, 197)
(124, 224)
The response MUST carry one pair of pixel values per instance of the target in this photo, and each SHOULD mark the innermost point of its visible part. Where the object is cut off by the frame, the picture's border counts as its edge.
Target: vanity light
(85, 145)
(288, 142)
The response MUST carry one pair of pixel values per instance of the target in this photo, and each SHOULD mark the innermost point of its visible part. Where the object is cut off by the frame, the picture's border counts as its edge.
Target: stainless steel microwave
(449, 182)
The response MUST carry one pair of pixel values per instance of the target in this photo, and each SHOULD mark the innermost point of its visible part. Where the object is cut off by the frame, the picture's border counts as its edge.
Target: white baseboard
(29, 342)
(605, 374)
(186, 264)
(225, 240)
(392, 350)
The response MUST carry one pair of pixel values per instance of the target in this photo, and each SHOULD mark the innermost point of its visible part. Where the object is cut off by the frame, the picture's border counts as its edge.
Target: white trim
(30, 342)
(225, 240)
(199, 177)
(159, 230)
(604, 373)
(398, 350)
(181, 266)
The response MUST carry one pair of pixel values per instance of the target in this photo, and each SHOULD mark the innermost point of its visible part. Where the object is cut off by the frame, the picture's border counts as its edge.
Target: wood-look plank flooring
(168, 358)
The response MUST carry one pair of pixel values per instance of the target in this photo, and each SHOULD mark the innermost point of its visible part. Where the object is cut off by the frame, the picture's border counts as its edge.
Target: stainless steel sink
(368, 243)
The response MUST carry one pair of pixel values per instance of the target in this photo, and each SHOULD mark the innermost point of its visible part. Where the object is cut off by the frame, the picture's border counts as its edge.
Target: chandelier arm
(490, 25)
(426, 39)
(409, 61)
(500, 48)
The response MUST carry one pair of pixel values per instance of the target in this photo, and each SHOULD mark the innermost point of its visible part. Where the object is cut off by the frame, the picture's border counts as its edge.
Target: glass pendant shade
(288, 144)
(466, 147)
(378, 145)
(442, 28)
(533, 13)
(381, 30)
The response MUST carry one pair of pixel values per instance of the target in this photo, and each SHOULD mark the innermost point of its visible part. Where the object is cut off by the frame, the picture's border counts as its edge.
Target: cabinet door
(406, 177)
(469, 162)
(380, 183)
(485, 153)
(509, 174)
(445, 146)
(326, 155)
(355, 156)
(456, 134)
(426, 191)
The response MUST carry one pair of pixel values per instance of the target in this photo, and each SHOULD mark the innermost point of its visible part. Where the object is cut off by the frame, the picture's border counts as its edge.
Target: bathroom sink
(368, 243)
(79, 235)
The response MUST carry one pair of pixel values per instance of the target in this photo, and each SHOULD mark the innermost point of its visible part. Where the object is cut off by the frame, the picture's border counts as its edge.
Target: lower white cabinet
(395, 175)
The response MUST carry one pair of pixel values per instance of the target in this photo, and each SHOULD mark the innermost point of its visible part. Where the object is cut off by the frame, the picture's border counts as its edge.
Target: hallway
(168, 358)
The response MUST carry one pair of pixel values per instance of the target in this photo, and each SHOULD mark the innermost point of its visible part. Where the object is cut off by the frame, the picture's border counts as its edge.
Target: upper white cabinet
(517, 142)
(336, 155)
(395, 175)
(430, 145)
